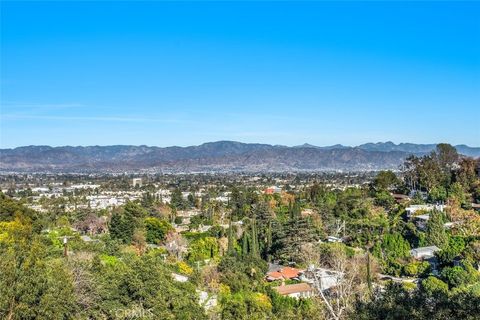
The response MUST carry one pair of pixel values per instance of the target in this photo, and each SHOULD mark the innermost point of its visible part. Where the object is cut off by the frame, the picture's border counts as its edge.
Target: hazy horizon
(244, 142)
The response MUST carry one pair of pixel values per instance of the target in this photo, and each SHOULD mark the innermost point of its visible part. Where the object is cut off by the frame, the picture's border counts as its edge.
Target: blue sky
(184, 73)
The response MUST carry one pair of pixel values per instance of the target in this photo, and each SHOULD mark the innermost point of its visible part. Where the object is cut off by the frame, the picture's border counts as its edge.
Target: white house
(326, 278)
(424, 253)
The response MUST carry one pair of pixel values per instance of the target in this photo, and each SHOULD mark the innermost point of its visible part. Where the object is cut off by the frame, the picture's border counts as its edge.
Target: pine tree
(116, 226)
(122, 225)
(289, 241)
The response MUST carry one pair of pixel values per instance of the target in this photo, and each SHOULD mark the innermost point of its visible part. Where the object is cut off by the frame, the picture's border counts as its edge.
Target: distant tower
(137, 182)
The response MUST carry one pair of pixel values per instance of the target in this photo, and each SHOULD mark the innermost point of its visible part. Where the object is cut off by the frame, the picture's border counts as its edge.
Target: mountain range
(220, 156)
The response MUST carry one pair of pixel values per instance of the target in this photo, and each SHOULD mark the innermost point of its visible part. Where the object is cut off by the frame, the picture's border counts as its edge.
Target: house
(400, 198)
(424, 253)
(326, 278)
(423, 207)
(421, 221)
(272, 190)
(297, 291)
(427, 254)
(284, 273)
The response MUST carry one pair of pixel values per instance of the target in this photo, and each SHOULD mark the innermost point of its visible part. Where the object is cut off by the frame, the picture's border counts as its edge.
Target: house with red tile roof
(284, 273)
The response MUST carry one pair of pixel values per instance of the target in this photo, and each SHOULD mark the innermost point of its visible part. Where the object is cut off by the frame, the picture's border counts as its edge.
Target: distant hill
(218, 156)
(416, 148)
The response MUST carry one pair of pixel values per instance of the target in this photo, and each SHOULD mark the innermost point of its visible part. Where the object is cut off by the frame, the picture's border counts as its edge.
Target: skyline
(165, 73)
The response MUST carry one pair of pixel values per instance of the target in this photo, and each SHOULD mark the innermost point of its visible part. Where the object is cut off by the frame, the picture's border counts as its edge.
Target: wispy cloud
(61, 112)
(23, 109)
(23, 105)
(96, 118)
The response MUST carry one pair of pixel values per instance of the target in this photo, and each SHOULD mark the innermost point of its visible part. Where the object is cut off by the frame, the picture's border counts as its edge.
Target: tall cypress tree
(254, 248)
(230, 248)
(263, 217)
(245, 245)
(269, 241)
(435, 233)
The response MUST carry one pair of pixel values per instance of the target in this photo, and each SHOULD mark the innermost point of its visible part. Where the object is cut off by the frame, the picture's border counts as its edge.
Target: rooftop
(285, 273)
(293, 288)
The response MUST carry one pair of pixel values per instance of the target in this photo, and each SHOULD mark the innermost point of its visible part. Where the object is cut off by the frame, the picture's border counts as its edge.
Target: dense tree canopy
(207, 255)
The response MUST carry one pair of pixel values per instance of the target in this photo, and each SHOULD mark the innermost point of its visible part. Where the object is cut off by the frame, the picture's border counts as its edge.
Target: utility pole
(65, 245)
(65, 251)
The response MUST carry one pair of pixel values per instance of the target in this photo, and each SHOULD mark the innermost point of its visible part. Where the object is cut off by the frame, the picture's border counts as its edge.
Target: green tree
(416, 268)
(202, 249)
(290, 237)
(447, 156)
(122, 227)
(385, 180)
(429, 173)
(438, 193)
(124, 222)
(435, 232)
(433, 285)
(384, 199)
(466, 174)
(31, 286)
(431, 301)
(391, 250)
(455, 276)
(455, 246)
(246, 305)
(144, 284)
(192, 200)
(458, 276)
(177, 202)
(457, 192)
(156, 230)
